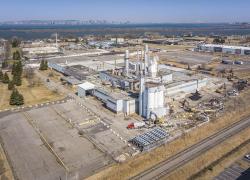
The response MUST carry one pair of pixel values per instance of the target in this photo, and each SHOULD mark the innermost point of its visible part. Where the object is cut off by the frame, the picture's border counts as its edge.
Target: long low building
(240, 50)
(116, 102)
(40, 50)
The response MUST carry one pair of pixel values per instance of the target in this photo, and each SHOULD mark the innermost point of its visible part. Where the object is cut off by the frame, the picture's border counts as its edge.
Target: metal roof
(87, 86)
(226, 46)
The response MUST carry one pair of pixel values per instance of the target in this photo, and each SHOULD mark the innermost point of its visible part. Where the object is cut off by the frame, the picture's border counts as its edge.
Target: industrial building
(30, 51)
(79, 72)
(140, 86)
(118, 102)
(143, 86)
(240, 50)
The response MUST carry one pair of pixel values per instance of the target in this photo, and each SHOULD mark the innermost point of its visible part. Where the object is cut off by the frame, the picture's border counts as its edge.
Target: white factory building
(115, 101)
(240, 50)
(40, 50)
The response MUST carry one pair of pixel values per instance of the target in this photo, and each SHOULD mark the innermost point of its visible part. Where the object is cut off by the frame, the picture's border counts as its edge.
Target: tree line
(16, 98)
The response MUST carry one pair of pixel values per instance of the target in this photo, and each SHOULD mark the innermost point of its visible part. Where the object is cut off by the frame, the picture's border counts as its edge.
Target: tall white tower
(142, 81)
(56, 41)
(126, 59)
(146, 56)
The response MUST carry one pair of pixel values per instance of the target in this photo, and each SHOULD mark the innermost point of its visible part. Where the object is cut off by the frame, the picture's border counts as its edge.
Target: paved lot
(28, 155)
(187, 57)
(78, 153)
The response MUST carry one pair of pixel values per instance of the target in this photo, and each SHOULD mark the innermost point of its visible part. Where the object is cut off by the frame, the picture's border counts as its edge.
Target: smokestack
(145, 59)
(56, 41)
(126, 62)
(141, 95)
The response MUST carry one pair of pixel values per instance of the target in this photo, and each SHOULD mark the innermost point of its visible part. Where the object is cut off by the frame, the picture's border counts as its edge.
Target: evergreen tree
(41, 65)
(45, 65)
(13, 69)
(11, 85)
(19, 99)
(17, 70)
(13, 97)
(4, 64)
(16, 55)
(6, 78)
(16, 98)
(1, 75)
(17, 80)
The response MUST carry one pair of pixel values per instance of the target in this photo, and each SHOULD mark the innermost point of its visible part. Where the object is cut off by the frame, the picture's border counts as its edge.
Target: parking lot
(48, 142)
(28, 155)
(239, 170)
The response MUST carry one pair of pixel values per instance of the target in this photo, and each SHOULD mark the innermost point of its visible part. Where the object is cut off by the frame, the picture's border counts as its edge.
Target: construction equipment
(186, 106)
(154, 119)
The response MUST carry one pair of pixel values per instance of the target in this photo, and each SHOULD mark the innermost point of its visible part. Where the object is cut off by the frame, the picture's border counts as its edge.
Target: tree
(17, 80)
(4, 64)
(15, 42)
(11, 85)
(16, 55)
(1, 75)
(6, 78)
(46, 65)
(16, 98)
(13, 97)
(13, 69)
(17, 70)
(19, 100)
(219, 41)
(43, 65)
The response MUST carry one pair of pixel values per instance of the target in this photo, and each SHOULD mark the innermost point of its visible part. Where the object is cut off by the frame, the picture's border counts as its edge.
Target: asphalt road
(165, 167)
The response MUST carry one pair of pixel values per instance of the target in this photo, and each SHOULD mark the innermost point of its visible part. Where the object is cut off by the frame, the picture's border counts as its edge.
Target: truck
(238, 62)
(136, 125)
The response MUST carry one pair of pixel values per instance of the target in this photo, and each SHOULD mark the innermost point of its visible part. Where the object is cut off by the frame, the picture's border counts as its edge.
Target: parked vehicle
(238, 62)
(136, 125)
(247, 156)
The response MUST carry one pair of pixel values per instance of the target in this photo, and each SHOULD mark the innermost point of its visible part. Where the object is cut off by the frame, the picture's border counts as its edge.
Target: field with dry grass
(207, 158)
(33, 91)
(237, 108)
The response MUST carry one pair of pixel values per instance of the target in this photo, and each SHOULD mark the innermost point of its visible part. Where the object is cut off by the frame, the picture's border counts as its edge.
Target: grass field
(236, 110)
(32, 94)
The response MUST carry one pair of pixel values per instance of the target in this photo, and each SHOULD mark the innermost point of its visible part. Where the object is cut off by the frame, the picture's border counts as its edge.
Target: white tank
(160, 99)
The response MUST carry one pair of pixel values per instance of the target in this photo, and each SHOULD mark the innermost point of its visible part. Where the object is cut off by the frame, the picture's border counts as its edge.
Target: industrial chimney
(126, 59)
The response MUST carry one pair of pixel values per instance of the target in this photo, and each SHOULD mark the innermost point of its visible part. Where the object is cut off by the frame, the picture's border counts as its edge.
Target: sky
(141, 11)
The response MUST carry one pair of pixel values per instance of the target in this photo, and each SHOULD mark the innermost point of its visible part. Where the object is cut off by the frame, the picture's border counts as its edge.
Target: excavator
(154, 119)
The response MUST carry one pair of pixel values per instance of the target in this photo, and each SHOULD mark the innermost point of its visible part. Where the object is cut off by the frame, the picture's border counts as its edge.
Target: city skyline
(136, 11)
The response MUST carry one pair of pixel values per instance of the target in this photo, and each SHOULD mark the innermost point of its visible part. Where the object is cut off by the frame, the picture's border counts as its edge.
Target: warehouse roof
(226, 46)
(87, 86)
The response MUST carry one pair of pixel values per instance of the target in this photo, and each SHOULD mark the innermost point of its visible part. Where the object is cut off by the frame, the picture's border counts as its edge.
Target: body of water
(29, 32)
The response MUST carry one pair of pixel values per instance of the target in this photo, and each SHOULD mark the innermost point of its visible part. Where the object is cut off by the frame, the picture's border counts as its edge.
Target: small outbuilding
(85, 88)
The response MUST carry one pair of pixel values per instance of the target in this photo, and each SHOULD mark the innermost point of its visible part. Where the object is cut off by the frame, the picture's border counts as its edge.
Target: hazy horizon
(134, 11)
